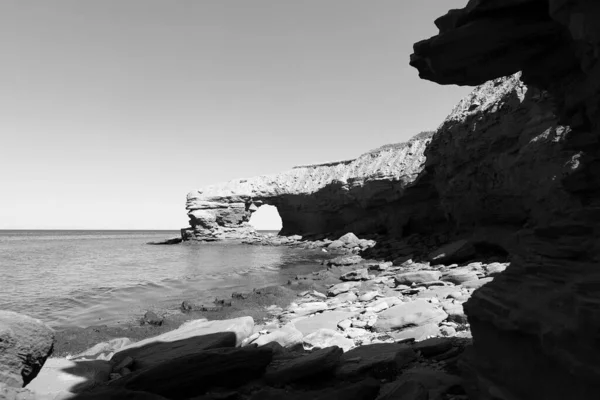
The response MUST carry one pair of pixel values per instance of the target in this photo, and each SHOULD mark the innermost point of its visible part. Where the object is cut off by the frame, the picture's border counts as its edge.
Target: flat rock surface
(25, 343)
(193, 375)
(415, 313)
(380, 360)
(326, 320)
(286, 336)
(327, 338)
(156, 352)
(317, 363)
(242, 327)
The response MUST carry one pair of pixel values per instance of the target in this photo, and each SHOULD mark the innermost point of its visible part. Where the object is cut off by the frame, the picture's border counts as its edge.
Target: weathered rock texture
(25, 343)
(511, 164)
(342, 196)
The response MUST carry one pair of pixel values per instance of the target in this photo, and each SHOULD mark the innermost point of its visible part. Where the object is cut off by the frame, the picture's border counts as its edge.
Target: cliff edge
(537, 319)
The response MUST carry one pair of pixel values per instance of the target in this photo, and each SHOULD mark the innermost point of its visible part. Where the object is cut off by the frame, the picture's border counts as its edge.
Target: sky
(113, 110)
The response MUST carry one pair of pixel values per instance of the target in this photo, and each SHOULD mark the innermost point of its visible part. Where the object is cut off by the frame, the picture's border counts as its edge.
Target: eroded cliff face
(535, 326)
(327, 198)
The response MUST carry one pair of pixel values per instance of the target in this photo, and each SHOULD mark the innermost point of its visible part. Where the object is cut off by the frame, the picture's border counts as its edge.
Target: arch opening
(266, 219)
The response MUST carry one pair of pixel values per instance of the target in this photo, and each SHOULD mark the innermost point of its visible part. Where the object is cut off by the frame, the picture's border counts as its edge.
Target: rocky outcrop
(25, 343)
(512, 166)
(314, 199)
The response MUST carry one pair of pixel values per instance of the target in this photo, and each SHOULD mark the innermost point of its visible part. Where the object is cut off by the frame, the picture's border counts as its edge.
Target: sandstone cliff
(516, 166)
(536, 179)
(311, 199)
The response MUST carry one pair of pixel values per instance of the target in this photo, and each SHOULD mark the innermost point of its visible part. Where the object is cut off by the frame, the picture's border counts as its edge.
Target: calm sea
(84, 278)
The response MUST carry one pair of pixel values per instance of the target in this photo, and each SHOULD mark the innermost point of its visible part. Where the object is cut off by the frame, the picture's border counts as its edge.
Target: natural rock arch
(315, 199)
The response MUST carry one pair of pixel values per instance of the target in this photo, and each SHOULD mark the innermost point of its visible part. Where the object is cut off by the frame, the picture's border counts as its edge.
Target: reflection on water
(82, 278)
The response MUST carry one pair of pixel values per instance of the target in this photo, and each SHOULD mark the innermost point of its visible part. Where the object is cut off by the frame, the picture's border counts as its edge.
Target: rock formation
(25, 343)
(539, 319)
(313, 199)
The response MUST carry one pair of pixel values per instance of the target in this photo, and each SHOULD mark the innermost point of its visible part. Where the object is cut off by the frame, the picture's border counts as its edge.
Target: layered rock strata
(313, 199)
(540, 317)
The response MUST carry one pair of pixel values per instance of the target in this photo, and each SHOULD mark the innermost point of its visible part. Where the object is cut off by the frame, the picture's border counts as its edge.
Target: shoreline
(73, 340)
(376, 309)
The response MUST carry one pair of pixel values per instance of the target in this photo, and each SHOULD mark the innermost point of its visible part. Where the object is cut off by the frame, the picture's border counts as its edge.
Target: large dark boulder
(192, 375)
(155, 353)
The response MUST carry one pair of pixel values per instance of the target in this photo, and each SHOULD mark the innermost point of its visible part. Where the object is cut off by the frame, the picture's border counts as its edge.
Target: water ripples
(76, 279)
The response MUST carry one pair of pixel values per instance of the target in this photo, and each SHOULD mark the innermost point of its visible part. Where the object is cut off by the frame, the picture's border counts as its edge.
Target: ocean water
(85, 278)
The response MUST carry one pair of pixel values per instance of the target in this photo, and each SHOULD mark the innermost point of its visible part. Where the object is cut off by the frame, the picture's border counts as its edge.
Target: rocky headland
(334, 197)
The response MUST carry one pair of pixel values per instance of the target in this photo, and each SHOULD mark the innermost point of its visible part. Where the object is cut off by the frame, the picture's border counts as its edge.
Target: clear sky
(112, 110)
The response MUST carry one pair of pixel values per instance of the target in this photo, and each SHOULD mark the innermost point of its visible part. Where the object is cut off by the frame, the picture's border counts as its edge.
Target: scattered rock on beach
(408, 278)
(151, 318)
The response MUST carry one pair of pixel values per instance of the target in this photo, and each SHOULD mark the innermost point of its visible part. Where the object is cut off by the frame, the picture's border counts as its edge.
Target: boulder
(345, 260)
(349, 238)
(151, 318)
(308, 308)
(317, 363)
(416, 313)
(476, 283)
(242, 327)
(326, 338)
(356, 275)
(326, 320)
(459, 275)
(286, 336)
(496, 268)
(25, 343)
(62, 375)
(368, 296)
(408, 278)
(336, 244)
(342, 288)
(379, 266)
(382, 304)
(158, 351)
(439, 292)
(192, 375)
(455, 312)
(381, 361)
(343, 298)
